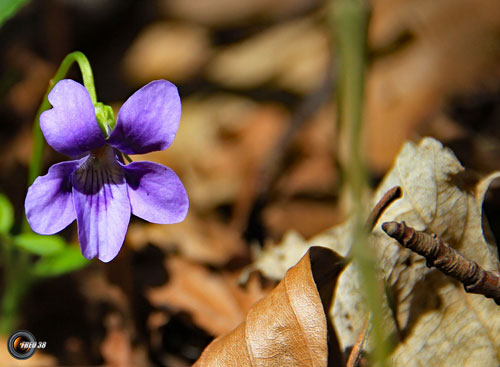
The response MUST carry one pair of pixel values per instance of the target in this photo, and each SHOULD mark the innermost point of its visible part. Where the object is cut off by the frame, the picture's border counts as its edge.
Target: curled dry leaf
(437, 322)
(289, 326)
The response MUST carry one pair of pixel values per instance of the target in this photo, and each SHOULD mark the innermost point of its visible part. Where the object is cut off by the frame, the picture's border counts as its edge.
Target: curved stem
(16, 266)
(38, 140)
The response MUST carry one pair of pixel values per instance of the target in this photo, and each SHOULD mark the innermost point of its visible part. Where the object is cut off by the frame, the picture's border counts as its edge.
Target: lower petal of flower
(156, 193)
(102, 207)
(49, 202)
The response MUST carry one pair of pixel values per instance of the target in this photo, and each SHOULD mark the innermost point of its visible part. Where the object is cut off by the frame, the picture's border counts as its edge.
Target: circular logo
(21, 344)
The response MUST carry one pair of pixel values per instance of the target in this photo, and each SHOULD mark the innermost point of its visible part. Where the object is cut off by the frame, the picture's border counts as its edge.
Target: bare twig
(446, 259)
(390, 196)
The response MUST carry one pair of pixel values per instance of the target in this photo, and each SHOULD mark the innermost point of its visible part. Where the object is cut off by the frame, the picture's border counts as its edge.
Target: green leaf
(6, 214)
(38, 244)
(67, 260)
(8, 8)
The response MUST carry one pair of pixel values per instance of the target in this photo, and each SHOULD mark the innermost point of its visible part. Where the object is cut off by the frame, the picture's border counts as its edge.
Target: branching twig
(446, 259)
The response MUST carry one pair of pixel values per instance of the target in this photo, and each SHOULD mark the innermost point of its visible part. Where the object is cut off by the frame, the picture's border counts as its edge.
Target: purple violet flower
(97, 188)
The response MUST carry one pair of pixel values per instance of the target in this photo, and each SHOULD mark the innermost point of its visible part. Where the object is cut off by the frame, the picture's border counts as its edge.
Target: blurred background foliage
(258, 147)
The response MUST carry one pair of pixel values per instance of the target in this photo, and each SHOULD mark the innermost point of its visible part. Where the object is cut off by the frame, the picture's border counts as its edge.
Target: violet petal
(156, 193)
(148, 120)
(70, 127)
(49, 201)
(102, 208)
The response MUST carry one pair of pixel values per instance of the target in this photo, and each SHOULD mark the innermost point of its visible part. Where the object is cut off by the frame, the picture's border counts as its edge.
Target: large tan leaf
(438, 323)
(289, 326)
(442, 324)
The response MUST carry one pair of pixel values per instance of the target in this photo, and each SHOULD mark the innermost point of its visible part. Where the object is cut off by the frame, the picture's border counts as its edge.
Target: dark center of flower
(103, 157)
(100, 152)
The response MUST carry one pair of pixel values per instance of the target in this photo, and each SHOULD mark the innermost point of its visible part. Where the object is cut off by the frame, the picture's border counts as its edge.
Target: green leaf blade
(38, 244)
(6, 214)
(9, 8)
(65, 261)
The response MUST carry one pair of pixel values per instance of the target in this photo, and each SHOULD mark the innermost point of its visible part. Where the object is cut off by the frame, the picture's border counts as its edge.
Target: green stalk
(36, 163)
(38, 140)
(17, 280)
(350, 26)
(17, 263)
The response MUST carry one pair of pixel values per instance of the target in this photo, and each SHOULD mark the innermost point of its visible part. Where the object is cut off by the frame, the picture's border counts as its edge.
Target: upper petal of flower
(49, 202)
(148, 120)
(156, 193)
(102, 207)
(70, 127)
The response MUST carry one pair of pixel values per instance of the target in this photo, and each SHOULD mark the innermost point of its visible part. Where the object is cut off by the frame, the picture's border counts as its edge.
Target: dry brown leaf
(24, 97)
(117, 349)
(221, 141)
(167, 50)
(288, 327)
(454, 46)
(228, 12)
(440, 324)
(443, 324)
(202, 240)
(300, 64)
(309, 175)
(17, 150)
(314, 168)
(280, 217)
(215, 301)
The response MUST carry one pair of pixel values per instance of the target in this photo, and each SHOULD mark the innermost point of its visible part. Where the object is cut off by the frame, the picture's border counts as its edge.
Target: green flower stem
(350, 26)
(38, 140)
(17, 263)
(36, 163)
(17, 280)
